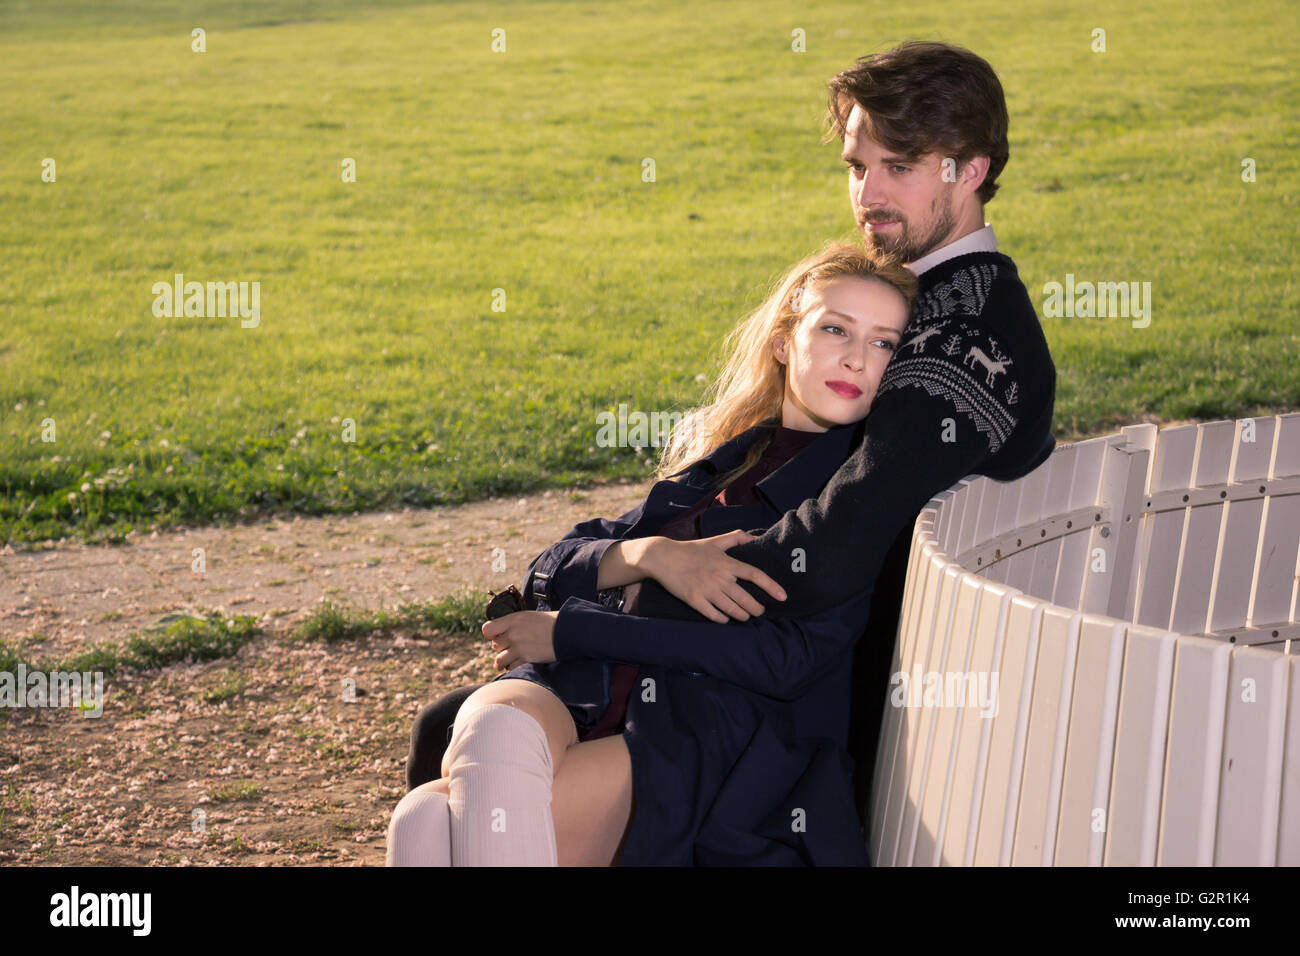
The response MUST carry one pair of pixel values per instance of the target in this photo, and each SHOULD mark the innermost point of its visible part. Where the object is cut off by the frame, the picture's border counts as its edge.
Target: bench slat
(923, 718)
(899, 732)
(943, 752)
(1094, 708)
(1035, 841)
(974, 731)
(1250, 775)
(1134, 810)
(1195, 748)
(1001, 793)
(1162, 534)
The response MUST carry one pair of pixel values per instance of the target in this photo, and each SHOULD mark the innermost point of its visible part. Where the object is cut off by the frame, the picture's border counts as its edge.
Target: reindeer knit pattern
(949, 349)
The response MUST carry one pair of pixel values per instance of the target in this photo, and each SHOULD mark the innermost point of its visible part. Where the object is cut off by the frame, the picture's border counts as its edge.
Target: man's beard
(909, 248)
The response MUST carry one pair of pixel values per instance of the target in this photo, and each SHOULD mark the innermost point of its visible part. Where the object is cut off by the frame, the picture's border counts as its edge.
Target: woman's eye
(887, 344)
(835, 328)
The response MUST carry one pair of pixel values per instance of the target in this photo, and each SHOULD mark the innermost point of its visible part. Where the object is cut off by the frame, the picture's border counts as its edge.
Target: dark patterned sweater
(970, 391)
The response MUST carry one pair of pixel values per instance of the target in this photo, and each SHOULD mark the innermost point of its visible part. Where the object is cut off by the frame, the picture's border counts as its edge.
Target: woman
(618, 739)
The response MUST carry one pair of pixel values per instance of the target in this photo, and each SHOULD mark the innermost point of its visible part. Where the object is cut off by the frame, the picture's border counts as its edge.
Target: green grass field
(521, 171)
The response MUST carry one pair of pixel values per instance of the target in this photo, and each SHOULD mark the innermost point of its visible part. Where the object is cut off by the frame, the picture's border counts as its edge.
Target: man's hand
(525, 637)
(701, 574)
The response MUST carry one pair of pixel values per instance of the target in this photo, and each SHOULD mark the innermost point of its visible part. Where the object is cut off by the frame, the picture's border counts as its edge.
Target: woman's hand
(525, 637)
(701, 574)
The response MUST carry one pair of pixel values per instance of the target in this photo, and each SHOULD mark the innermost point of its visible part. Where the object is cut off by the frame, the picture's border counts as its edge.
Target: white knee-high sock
(500, 775)
(419, 834)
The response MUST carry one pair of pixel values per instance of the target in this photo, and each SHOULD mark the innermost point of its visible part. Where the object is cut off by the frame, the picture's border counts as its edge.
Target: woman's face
(848, 332)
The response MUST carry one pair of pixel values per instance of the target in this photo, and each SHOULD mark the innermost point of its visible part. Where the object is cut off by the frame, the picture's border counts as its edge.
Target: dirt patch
(65, 595)
(289, 752)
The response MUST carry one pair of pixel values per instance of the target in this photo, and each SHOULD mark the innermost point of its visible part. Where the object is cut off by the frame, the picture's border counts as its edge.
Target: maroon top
(785, 444)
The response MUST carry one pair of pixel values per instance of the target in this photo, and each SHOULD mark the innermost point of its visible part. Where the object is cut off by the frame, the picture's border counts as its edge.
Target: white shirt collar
(981, 240)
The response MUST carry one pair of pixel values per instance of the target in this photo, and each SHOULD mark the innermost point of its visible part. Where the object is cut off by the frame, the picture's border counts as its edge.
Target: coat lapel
(669, 498)
(804, 475)
(786, 488)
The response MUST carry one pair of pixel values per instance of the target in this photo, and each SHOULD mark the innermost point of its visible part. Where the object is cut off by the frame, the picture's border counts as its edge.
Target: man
(970, 391)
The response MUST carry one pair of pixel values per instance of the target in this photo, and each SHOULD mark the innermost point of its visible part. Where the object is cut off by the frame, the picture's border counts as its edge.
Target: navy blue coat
(738, 731)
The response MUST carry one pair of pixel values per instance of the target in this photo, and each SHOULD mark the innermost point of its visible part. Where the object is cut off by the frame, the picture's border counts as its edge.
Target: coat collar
(727, 455)
(789, 485)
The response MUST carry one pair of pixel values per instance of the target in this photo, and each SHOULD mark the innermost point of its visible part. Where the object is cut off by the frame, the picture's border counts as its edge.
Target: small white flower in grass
(85, 486)
(701, 378)
(164, 443)
(106, 435)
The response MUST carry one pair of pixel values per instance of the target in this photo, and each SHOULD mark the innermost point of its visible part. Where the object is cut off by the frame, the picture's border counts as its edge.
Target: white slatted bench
(1136, 597)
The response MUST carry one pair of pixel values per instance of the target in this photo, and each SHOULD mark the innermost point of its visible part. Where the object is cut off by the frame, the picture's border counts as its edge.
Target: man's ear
(973, 173)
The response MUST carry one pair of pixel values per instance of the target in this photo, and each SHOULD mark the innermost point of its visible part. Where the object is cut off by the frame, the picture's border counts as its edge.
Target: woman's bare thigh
(591, 802)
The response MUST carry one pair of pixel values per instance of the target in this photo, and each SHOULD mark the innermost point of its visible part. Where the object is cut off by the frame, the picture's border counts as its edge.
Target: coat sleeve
(568, 568)
(935, 421)
(776, 657)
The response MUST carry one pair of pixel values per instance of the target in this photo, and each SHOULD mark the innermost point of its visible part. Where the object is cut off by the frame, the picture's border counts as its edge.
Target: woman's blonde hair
(751, 387)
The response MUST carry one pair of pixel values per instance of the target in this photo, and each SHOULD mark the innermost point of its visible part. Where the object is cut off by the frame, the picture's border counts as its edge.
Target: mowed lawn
(516, 178)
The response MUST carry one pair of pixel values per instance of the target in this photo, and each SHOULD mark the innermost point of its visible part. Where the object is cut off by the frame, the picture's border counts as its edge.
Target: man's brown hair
(925, 97)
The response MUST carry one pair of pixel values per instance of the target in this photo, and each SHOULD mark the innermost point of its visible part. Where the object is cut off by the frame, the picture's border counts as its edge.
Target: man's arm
(938, 418)
(841, 536)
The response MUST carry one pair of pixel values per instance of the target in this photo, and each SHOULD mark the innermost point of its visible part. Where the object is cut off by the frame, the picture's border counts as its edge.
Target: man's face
(902, 204)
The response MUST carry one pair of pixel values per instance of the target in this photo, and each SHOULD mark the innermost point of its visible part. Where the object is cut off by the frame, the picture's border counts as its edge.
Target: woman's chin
(842, 417)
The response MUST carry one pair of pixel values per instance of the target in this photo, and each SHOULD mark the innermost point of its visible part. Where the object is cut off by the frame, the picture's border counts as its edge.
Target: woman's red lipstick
(844, 389)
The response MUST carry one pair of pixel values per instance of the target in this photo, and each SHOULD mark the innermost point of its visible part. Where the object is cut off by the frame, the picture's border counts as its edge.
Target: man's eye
(901, 169)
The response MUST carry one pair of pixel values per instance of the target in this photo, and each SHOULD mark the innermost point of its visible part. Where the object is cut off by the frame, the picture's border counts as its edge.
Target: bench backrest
(1135, 597)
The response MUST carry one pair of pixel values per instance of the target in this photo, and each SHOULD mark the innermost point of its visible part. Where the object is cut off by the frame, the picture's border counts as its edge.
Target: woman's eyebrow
(878, 327)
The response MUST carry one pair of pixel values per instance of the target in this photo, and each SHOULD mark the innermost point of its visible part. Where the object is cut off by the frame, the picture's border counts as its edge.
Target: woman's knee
(535, 701)
(440, 785)
(430, 734)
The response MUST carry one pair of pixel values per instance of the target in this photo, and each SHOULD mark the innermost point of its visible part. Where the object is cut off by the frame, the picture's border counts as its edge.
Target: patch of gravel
(258, 759)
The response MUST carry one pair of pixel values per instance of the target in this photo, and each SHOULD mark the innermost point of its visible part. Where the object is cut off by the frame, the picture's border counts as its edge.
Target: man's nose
(868, 192)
